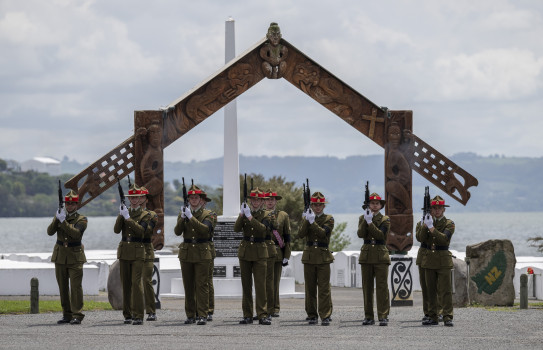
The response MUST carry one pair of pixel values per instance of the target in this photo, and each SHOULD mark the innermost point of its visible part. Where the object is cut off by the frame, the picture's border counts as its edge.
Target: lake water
(26, 235)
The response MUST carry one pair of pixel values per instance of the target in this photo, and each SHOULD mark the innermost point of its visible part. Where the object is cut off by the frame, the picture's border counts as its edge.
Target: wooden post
(149, 165)
(524, 291)
(34, 296)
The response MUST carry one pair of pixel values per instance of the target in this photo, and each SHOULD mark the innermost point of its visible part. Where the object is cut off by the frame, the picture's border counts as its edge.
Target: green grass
(515, 307)
(23, 306)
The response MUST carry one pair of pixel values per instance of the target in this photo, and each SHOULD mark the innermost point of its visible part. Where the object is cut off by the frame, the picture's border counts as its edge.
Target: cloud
(85, 67)
(493, 74)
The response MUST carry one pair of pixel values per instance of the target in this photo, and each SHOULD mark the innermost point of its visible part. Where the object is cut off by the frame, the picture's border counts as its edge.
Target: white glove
(187, 213)
(310, 216)
(285, 261)
(61, 216)
(428, 221)
(183, 212)
(368, 216)
(247, 211)
(124, 212)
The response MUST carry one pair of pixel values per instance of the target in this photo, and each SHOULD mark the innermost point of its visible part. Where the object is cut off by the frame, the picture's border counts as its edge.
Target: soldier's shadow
(173, 324)
(109, 323)
(48, 325)
(297, 323)
(412, 324)
(348, 324)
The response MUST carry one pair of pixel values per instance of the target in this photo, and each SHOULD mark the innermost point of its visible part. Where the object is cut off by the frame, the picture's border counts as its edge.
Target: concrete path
(474, 328)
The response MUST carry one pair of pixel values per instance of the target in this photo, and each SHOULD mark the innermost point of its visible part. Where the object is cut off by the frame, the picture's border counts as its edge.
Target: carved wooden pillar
(149, 165)
(398, 179)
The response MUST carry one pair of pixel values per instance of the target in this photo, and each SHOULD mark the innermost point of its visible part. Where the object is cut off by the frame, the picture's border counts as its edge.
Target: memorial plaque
(226, 240)
(219, 271)
(237, 271)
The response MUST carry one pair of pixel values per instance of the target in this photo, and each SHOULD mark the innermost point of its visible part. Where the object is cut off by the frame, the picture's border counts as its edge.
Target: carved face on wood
(274, 34)
(155, 135)
(394, 135)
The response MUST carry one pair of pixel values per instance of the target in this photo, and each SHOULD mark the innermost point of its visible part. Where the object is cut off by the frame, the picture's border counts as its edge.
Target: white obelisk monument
(231, 193)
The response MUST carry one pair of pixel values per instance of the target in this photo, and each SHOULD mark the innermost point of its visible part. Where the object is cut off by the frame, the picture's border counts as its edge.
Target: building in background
(47, 165)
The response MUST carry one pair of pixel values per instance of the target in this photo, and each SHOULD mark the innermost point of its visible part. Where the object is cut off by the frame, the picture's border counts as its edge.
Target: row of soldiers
(263, 251)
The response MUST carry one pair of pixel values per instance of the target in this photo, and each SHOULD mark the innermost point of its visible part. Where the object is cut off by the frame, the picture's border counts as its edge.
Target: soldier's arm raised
(362, 231)
(179, 228)
(76, 231)
(118, 224)
(444, 238)
(52, 228)
(380, 232)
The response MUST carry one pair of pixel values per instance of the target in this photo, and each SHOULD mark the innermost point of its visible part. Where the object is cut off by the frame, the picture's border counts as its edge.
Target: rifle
(129, 183)
(121, 192)
(366, 196)
(306, 205)
(60, 198)
(427, 204)
(185, 197)
(245, 191)
(307, 197)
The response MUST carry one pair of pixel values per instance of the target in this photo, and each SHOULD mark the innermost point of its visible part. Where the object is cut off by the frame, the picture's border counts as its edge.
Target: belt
(317, 244)
(253, 239)
(374, 242)
(268, 238)
(146, 240)
(198, 240)
(132, 239)
(424, 245)
(440, 247)
(69, 244)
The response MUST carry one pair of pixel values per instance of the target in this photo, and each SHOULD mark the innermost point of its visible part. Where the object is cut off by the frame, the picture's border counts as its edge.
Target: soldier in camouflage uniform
(374, 259)
(149, 262)
(255, 223)
(196, 224)
(134, 224)
(317, 228)
(281, 240)
(422, 274)
(437, 261)
(69, 257)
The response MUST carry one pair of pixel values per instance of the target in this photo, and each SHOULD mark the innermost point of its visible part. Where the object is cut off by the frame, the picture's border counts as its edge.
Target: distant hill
(505, 183)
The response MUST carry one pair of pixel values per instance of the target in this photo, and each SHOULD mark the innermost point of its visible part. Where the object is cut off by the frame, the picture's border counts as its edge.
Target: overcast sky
(72, 73)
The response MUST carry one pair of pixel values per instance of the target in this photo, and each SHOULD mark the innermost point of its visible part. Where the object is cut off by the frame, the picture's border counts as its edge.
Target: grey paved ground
(475, 328)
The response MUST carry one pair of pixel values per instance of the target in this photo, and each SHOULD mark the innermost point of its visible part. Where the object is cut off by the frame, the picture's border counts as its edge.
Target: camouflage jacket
(68, 249)
(252, 246)
(197, 234)
(318, 238)
(437, 254)
(133, 232)
(374, 249)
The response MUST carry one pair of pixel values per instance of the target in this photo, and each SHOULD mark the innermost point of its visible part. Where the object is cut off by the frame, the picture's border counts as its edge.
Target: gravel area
(474, 328)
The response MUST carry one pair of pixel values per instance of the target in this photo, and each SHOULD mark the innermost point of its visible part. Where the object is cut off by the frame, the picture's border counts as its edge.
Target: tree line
(33, 194)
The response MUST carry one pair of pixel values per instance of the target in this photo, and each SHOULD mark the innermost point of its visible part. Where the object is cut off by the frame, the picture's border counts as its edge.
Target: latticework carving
(441, 171)
(102, 174)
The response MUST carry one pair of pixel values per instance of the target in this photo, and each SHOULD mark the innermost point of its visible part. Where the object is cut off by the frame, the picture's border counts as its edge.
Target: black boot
(368, 322)
(63, 320)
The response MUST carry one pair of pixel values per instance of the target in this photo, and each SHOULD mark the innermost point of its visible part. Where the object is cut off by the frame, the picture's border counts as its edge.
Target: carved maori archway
(275, 58)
